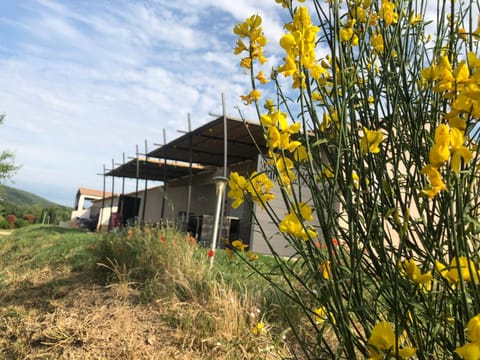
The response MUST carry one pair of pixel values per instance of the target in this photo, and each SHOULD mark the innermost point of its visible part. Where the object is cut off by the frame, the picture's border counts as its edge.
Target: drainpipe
(220, 183)
(103, 201)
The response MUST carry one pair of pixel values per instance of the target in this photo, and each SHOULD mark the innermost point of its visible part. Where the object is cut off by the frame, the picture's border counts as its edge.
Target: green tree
(7, 161)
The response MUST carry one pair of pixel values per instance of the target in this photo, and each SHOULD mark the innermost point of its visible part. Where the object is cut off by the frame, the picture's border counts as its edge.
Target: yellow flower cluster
(253, 96)
(387, 13)
(461, 88)
(435, 179)
(361, 13)
(382, 341)
(294, 222)
(322, 315)
(261, 77)
(279, 133)
(449, 144)
(460, 85)
(410, 269)
(239, 245)
(347, 33)
(325, 269)
(252, 30)
(257, 188)
(278, 130)
(299, 44)
(457, 270)
(471, 350)
(259, 329)
(330, 118)
(284, 167)
(279, 137)
(377, 42)
(370, 141)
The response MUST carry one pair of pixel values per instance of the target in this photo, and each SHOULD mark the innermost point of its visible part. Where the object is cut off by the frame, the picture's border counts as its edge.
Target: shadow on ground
(40, 295)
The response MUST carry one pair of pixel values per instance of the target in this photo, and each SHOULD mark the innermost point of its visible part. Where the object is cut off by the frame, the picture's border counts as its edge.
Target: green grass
(35, 247)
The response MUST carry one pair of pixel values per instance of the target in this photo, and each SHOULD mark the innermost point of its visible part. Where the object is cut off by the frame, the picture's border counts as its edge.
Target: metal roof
(202, 147)
(207, 143)
(155, 169)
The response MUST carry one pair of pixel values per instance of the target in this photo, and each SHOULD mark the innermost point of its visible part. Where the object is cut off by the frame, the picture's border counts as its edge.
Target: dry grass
(52, 312)
(52, 318)
(84, 321)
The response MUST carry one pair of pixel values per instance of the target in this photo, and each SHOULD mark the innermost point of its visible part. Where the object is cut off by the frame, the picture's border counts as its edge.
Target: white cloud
(85, 82)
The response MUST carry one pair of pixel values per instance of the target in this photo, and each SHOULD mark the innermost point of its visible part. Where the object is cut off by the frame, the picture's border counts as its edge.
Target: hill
(23, 198)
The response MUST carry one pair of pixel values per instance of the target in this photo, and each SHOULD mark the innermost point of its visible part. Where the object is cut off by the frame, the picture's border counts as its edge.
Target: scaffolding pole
(123, 191)
(137, 174)
(111, 199)
(225, 137)
(146, 183)
(190, 154)
(164, 175)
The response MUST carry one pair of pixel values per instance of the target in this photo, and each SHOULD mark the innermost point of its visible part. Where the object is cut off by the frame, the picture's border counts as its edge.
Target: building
(187, 167)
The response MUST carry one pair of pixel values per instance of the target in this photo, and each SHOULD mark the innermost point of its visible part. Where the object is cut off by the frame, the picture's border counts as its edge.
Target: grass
(134, 294)
(36, 246)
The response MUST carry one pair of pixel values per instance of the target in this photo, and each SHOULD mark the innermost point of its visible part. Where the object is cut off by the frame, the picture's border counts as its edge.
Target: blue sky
(85, 81)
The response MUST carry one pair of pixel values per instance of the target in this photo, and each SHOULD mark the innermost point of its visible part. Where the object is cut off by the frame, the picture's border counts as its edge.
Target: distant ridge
(23, 198)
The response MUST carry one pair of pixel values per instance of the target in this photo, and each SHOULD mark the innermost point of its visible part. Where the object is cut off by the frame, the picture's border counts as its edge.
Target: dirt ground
(75, 320)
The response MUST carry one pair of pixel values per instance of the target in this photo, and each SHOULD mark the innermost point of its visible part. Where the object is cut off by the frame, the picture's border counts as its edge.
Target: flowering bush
(11, 219)
(372, 140)
(30, 218)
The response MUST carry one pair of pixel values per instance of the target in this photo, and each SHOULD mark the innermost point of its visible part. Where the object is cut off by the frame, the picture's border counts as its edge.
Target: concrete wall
(81, 211)
(174, 203)
(265, 225)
